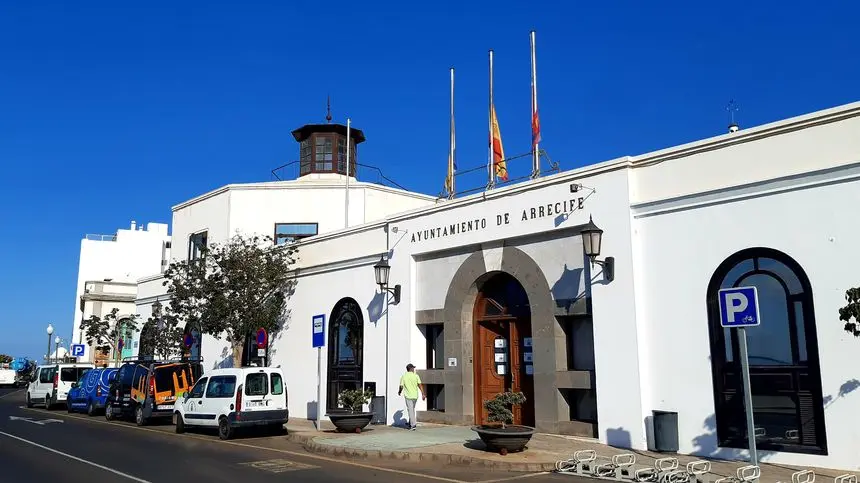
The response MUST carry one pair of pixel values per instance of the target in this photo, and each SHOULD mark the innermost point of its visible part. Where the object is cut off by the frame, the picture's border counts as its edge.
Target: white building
(314, 203)
(109, 268)
(595, 352)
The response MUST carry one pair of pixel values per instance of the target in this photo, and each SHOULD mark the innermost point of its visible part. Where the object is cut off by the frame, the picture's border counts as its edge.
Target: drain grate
(278, 466)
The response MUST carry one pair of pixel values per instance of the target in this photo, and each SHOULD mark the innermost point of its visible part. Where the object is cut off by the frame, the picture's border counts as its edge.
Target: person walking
(410, 384)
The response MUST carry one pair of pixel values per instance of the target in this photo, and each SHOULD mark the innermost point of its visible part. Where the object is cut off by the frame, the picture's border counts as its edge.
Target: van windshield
(172, 378)
(72, 374)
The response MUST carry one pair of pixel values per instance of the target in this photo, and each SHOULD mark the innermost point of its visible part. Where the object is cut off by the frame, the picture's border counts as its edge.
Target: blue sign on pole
(78, 350)
(739, 307)
(319, 331)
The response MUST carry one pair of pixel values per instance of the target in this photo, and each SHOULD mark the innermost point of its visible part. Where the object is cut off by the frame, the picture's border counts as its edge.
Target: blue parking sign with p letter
(739, 307)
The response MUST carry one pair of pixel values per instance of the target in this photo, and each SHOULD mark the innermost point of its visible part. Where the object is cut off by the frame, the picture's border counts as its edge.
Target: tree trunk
(237, 353)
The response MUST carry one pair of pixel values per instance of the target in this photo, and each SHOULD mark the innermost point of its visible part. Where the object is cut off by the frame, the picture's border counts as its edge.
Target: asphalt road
(37, 445)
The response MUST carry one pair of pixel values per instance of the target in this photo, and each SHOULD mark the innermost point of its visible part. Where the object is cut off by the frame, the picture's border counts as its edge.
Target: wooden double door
(502, 348)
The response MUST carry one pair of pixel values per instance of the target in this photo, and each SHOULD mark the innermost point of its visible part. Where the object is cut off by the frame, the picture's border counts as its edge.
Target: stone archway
(548, 338)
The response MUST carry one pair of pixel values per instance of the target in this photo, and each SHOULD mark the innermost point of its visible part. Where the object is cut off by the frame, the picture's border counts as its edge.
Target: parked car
(90, 393)
(235, 398)
(51, 383)
(7, 375)
(145, 388)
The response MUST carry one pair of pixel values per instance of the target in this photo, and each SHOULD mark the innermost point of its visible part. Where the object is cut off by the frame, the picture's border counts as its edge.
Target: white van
(233, 398)
(51, 383)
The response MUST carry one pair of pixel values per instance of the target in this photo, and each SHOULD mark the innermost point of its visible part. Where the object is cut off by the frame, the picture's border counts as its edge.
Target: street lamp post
(381, 271)
(57, 349)
(50, 332)
(592, 238)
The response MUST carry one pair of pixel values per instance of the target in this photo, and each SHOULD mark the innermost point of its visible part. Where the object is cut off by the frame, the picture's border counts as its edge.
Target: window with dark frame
(785, 373)
(197, 244)
(290, 232)
(305, 157)
(435, 346)
(323, 153)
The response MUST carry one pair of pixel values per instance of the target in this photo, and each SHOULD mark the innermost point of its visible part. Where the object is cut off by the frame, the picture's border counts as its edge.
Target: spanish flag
(501, 168)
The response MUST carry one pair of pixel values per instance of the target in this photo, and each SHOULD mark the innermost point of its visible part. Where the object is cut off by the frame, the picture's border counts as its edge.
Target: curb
(309, 443)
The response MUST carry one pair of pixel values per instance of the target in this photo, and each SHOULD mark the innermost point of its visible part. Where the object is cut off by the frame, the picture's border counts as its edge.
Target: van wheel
(48, 404)
(138, 416)
(68, 406)
(29, 401)
(109, 411)
(225, 432)
(91, 409)
(180, 423)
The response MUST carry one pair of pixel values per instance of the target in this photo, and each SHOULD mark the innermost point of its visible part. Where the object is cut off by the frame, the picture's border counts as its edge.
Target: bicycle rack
(697, 469)
(745, 474)
(662, 467)
(582, 463)
(619, 467)
(846, 478)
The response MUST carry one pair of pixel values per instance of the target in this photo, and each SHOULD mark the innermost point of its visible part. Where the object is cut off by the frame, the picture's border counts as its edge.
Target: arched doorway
(502, 346)
(785, 373)
(345, 350)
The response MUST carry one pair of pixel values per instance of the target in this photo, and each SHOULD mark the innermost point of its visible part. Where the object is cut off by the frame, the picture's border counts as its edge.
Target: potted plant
(351, 418)
(504, 437)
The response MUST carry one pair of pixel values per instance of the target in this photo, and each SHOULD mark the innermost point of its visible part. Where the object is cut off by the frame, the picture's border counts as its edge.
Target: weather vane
(732, 108)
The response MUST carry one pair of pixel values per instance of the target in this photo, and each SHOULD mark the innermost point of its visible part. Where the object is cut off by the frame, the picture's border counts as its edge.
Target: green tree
(233, 289)
(850, 314)
(161, 334)
(104, 333)
(5, 359)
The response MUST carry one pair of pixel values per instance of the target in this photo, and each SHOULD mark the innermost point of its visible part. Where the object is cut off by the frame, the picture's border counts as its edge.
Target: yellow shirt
(410, 382)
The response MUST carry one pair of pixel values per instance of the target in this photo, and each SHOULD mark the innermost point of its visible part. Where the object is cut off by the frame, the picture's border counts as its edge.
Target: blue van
(91, 391)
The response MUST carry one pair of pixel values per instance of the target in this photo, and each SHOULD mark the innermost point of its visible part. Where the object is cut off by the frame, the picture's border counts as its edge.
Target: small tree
(234, 289)
(161, 334)
(851, 311)
(353, 399)
(105, 333)
(499, 408)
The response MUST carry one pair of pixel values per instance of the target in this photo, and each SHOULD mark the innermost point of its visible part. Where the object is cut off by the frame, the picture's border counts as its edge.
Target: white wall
(810, 225)
(133, 254)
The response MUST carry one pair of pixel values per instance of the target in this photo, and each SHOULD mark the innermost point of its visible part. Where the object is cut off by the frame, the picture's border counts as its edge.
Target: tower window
(323, 154)
(305, 158)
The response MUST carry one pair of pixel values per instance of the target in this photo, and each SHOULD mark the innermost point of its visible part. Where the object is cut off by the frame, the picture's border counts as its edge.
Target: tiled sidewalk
(461, 445)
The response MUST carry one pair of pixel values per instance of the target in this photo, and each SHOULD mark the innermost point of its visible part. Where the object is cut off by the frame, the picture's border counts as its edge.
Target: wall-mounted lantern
(382, 270)
(592, 238)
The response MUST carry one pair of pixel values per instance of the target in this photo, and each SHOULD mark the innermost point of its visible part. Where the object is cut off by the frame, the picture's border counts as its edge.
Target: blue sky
(111, 112)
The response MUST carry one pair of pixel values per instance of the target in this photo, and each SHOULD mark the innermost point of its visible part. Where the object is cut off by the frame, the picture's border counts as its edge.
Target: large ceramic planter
(349, 422)
(510, 439)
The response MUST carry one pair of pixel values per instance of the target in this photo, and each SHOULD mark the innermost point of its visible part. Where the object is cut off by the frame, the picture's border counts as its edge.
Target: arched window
(783, 356)
(345, 350)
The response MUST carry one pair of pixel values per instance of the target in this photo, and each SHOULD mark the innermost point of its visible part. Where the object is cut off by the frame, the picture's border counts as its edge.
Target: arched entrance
(785, 374)
(502, 346)
(345, 350)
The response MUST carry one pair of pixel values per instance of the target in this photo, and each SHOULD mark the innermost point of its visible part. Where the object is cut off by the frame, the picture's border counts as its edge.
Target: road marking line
(9, 394)
(283, 451)
(52, 450)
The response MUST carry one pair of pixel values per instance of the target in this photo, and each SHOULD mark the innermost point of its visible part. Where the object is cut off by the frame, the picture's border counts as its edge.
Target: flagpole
(535, 150)
(491, 181)
(451, 149)
(346, 198)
